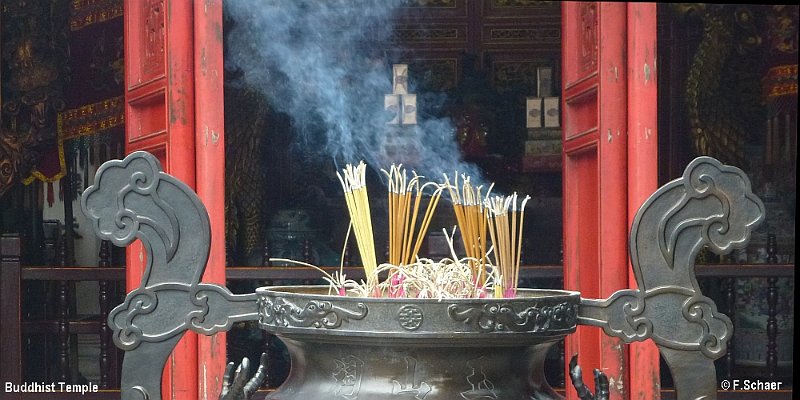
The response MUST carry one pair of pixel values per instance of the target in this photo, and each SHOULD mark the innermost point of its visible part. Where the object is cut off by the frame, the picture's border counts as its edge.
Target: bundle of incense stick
(405, 237)
(505, 229)
(471, 217)
(355, 194)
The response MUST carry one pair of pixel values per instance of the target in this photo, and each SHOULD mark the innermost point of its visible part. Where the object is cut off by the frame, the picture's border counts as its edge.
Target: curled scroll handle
(134, 199)
(712, 205)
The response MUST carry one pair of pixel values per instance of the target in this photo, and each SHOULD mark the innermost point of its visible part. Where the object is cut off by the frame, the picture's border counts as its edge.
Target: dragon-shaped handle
(711, 205)
(134, 199)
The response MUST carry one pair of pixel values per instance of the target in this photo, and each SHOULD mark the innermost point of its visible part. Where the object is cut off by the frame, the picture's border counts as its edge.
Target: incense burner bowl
(350, 348)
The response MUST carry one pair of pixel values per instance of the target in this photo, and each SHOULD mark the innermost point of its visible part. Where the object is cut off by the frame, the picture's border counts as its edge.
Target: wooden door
(173, 76)
(609, 168)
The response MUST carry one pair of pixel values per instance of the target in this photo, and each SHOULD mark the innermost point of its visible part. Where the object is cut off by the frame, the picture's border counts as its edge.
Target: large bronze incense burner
(377, 348)
(346, 347)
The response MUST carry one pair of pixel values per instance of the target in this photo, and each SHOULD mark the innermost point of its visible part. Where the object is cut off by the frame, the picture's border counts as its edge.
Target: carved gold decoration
(717, 86)
(782, 23)
(62, 164)
(527, 35)
(588, 56)
(107, 64)
(424, 34)
(523, 3)
(92, 118)
(435, 74)
(88, 12)
(429, 3)
(16, 159)
(781, 81)
(508, 74)
(35, 54)
(153, 35)
(782, 44)
(246, 122)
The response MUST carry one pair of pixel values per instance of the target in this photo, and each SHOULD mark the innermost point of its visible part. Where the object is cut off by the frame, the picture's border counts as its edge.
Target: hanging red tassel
(50, 196)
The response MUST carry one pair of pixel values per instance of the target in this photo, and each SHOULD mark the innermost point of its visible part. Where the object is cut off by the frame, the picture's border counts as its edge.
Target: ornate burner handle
(134, 199)
(711, 205)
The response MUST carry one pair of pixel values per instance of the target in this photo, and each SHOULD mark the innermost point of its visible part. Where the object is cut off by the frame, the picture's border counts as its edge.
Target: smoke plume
(323, 63)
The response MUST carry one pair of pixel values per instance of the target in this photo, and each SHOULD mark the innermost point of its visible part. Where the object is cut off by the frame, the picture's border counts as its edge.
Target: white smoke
(323, 64)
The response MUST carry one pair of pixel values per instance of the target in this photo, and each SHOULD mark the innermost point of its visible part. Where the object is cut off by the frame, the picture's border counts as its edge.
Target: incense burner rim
(321, 292)
(305, 311)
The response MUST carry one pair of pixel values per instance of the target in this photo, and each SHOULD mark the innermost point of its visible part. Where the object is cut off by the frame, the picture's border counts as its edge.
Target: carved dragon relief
(317, 314)
(710, 205)
(16, 157)
(504, 317)
(245, 200)
(35, 54)
(720, 82)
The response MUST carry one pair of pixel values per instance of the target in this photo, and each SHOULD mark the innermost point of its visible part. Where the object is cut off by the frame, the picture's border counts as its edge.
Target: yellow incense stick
(355, 193)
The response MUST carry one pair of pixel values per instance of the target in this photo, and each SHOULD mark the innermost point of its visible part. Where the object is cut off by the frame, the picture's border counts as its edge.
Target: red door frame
(209, 119)
(643, 358)
(609, 104)
(173, 109)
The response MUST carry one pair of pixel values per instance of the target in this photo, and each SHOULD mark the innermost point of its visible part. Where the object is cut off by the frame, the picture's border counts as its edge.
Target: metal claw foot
(600, 382)
(238, 389)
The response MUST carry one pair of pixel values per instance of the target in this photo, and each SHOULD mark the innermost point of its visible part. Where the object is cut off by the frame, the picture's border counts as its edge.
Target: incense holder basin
(350, 348)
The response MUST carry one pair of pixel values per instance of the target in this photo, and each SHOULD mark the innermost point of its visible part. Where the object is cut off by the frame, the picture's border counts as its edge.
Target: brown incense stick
(506, 224)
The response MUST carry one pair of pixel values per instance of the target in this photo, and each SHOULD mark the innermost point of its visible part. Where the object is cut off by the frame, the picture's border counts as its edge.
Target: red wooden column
(173, 74)
(643, 362)
(610, 168)
(595, 177)
(159, 111)
(210, 172)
